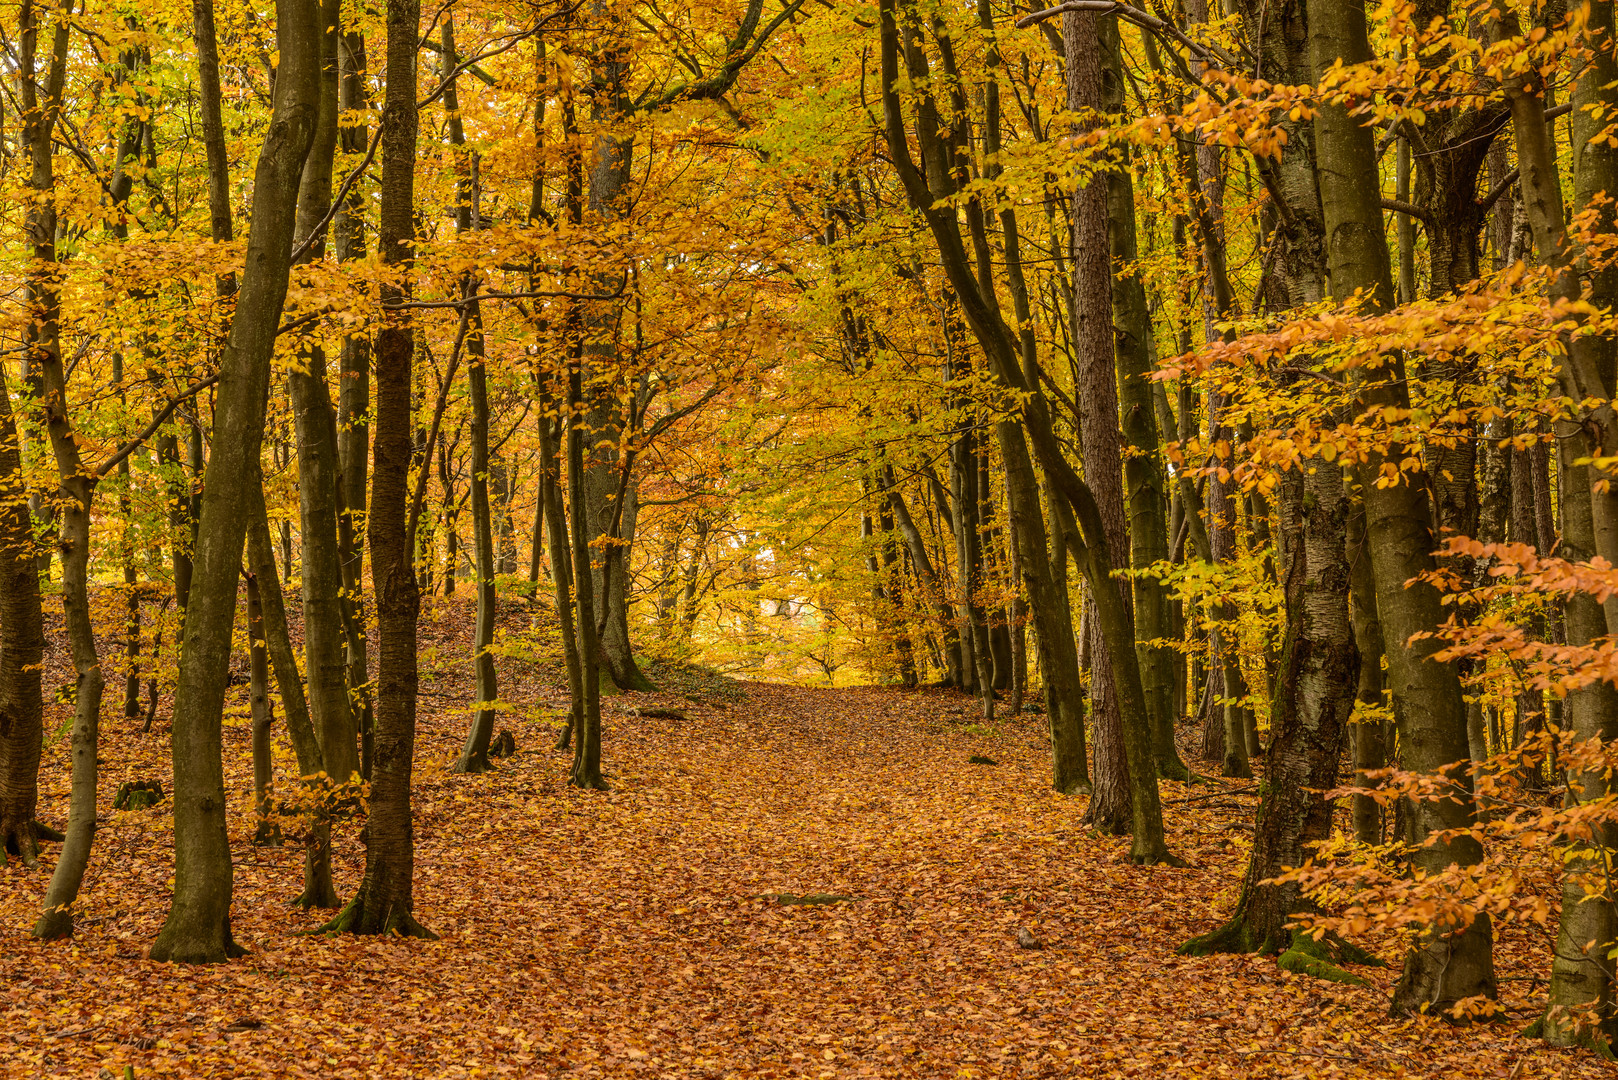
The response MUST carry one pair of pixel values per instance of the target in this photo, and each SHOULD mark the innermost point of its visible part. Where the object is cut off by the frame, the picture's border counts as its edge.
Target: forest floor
(640, 932)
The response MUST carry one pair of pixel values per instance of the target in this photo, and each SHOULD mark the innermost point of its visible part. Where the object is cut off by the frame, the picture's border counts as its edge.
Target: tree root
(592, 782)
(355, 918)
(312, 898)
(22, 840)
(1299, 953)
(1591, 1039)
(178, 946)
(1306, 956)
(1157, 857)
(1236, 936)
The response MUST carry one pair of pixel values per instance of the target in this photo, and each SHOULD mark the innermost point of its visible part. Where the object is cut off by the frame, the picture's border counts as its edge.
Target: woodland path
(625, 935)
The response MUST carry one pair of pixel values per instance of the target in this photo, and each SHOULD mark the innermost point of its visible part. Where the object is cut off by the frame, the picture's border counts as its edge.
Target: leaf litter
(791, 882)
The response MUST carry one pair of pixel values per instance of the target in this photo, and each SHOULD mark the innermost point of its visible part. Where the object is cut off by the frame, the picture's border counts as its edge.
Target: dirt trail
(629, 934)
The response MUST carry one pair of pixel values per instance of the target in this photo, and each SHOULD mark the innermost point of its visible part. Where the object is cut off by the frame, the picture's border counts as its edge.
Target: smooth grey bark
(1581, 973)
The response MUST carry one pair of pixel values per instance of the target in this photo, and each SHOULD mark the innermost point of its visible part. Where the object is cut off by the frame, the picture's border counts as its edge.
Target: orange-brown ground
(624, 934)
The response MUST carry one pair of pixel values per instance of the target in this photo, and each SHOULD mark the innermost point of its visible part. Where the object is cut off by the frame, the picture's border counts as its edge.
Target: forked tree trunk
(198, 925)
(550, 493)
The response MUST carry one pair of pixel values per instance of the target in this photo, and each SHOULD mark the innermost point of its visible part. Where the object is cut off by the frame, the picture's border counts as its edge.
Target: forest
(827, 538)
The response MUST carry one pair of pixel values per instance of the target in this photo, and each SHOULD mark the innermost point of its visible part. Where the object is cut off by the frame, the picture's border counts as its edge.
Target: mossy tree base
(1298, 952)
(379, 917)
(1306, 956)
(1175, 768)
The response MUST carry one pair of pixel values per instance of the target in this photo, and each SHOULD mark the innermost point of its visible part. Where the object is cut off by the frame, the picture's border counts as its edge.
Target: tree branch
(150, 429)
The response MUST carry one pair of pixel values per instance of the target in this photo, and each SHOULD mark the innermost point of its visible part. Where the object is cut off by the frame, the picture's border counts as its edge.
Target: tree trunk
(1447, 963)
(318, 890)
(198, 925)
(1143, 474)
(586, 771)
(22, 650)
(1371, 733)
(384, 903)
(267, 830)
(604, 373)
(923, 564)
(475, 754)
(354, 404)
(1310, 707)
(1581, 972)
(77, 483)
(1100, 437)
(319, 468)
